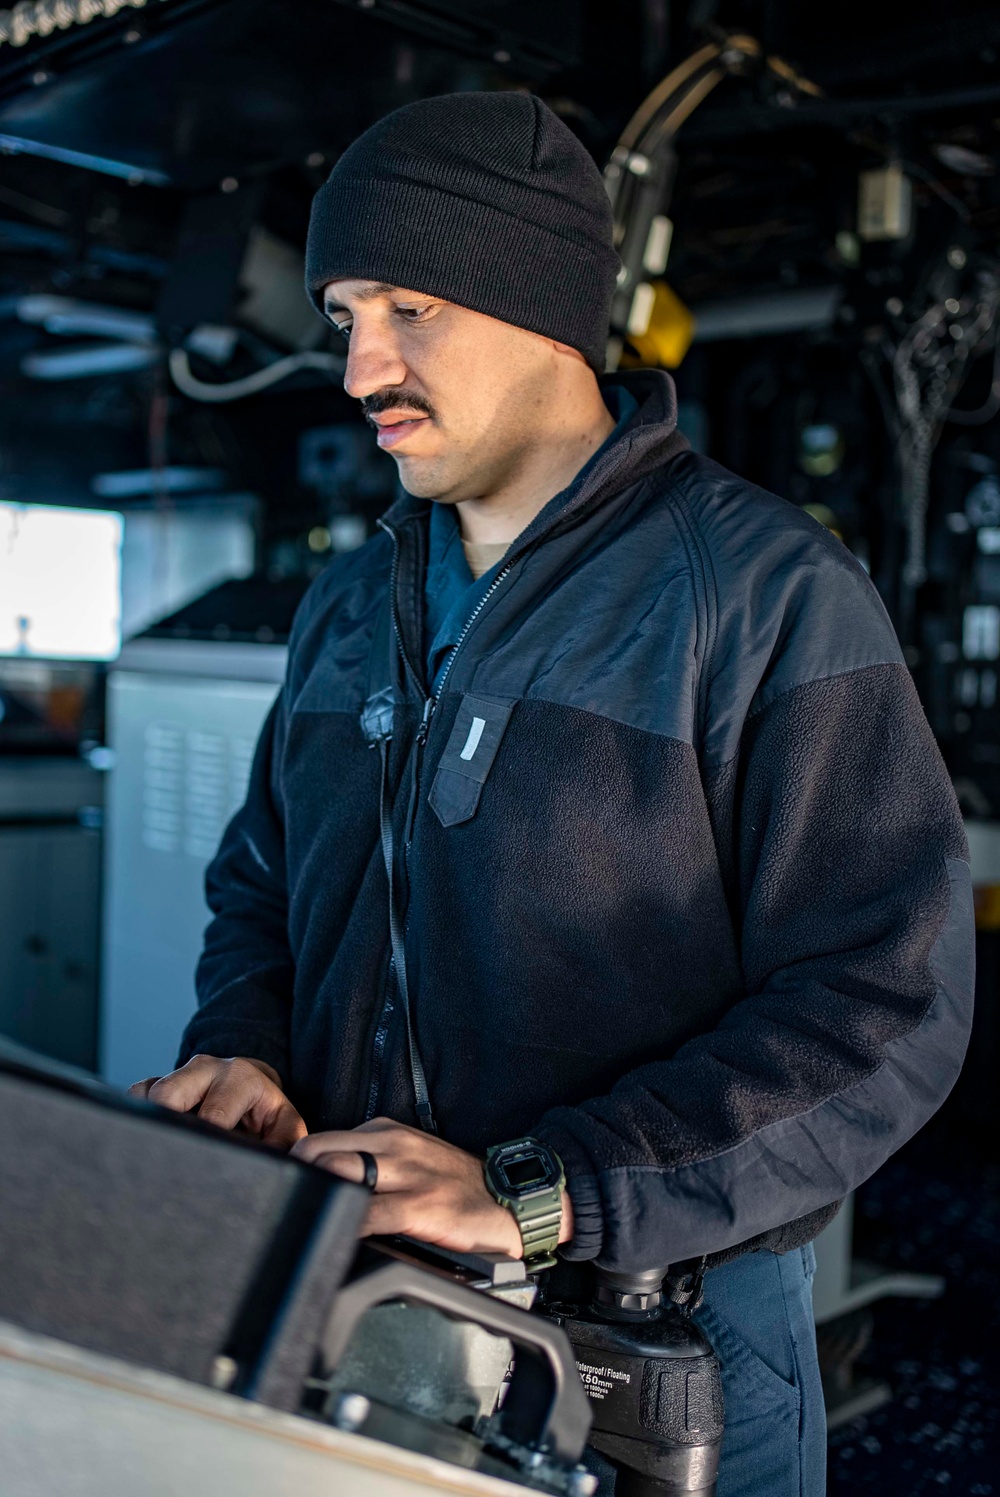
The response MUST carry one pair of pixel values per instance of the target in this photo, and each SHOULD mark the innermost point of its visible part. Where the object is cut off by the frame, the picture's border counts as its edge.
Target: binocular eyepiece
(653, 1381)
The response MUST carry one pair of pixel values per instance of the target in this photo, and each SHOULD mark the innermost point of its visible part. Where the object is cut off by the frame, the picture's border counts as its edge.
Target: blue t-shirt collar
(450, 590)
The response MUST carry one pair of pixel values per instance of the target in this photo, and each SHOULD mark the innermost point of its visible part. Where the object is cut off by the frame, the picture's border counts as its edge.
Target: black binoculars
(653, 1381)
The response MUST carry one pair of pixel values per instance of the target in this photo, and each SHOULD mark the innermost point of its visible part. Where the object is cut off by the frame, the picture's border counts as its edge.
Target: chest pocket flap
(468, 757)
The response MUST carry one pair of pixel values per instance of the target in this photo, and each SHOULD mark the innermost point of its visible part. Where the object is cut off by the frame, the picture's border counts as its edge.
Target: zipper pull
(425, 721)
(415, 758)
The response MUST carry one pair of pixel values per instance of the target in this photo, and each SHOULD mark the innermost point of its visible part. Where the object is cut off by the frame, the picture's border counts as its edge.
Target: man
(669, 886)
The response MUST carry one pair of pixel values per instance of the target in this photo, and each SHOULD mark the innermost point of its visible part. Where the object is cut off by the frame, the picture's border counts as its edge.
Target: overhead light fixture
(64, 314)
(42, 17)
(89, 359)
(767, 313)
(134, 482)
(126, 171)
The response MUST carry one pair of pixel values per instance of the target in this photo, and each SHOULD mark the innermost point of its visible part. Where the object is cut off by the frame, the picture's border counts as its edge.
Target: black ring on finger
(371, 1169)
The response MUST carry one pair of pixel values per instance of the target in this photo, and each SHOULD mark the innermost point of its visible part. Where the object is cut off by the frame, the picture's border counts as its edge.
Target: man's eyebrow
(382, 288)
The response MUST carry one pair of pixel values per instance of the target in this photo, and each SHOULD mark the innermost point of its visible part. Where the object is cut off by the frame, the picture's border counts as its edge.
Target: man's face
(457, 398)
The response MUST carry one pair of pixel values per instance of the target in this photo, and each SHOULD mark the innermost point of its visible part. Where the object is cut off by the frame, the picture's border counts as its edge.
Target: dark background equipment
(808, 224)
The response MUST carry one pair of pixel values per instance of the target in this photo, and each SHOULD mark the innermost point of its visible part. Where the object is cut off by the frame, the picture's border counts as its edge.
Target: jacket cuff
(584, 1192)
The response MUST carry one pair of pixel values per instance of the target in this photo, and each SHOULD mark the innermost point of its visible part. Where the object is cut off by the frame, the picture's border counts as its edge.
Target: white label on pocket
(472, 742)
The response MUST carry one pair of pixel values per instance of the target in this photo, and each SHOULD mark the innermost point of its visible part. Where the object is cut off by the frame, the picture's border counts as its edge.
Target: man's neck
(548, 468)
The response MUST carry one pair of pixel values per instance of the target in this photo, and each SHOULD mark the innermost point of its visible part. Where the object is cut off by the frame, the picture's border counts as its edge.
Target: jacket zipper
(394, 611)
(382, 1032)
(487, 595)
(430, 706)
(379, 1043)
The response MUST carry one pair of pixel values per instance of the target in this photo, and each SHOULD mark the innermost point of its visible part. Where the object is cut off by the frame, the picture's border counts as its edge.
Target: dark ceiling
(113, 134)
(186, 93)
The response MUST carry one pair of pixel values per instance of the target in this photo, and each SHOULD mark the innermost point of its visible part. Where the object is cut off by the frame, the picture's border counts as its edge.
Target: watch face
(524, 1171)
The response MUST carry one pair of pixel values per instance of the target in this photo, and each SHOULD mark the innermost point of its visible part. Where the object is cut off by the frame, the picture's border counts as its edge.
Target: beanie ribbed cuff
(393, 232)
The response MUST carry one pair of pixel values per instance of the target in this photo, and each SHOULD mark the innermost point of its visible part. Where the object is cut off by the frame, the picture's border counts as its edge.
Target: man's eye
(414, 314)
(343, 328)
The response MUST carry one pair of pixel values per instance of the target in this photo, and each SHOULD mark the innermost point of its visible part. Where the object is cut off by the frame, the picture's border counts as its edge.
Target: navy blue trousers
(757, 1312)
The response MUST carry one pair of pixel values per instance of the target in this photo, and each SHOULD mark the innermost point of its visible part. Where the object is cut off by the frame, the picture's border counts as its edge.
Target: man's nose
(373, 363)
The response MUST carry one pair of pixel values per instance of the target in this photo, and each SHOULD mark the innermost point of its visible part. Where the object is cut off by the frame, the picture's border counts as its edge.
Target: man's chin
(423, 478)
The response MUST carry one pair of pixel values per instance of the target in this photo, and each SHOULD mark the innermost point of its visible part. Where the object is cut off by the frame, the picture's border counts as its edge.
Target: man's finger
(348, 1165)
(399, 1211)
(141, 1088)
(344, 1166)
(232, 1094)
(182, 1090)
(283, 1128)
(335, 1142)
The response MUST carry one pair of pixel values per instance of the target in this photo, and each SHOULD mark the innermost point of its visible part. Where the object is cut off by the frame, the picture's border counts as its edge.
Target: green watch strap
(538, 1212)
(539, 1221)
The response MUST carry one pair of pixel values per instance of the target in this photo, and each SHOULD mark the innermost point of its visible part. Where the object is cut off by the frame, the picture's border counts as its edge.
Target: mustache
(394, 400)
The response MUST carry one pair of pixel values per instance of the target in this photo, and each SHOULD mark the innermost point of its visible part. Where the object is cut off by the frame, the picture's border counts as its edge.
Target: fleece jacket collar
(646, 442)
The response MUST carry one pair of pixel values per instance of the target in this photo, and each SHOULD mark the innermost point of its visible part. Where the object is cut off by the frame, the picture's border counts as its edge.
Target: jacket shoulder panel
(615, 624)
(789, 602)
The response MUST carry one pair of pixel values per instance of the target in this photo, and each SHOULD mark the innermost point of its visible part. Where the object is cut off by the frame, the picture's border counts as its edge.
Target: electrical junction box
(885, 204)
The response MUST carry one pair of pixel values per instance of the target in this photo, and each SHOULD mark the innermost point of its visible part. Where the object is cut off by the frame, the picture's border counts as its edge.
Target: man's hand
(426, 1188)
(235, 1093)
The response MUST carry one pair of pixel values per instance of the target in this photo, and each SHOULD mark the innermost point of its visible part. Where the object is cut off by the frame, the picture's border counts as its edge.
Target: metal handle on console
(545, 1404)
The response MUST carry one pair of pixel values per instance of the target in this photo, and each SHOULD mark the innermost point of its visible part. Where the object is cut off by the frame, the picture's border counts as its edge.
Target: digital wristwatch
(527, 1177)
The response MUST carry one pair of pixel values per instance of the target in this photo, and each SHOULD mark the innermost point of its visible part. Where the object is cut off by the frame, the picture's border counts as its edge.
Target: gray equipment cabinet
(50, 878)
(183, 721)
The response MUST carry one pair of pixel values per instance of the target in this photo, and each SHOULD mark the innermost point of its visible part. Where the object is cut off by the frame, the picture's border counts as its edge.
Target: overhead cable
(251, 384)
(930, 364)
(639, 175)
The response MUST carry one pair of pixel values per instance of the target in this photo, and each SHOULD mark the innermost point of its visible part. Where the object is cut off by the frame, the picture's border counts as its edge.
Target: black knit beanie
(484, 199)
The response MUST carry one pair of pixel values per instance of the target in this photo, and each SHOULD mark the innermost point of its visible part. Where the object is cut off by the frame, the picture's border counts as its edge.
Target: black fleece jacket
(696, 910)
